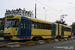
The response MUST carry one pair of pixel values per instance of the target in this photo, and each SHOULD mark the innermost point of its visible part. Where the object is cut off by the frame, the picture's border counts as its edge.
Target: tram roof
(39, 20)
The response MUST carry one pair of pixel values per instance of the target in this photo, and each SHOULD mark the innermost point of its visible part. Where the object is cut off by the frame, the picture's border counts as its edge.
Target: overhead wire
(53, 9)
(47, 6)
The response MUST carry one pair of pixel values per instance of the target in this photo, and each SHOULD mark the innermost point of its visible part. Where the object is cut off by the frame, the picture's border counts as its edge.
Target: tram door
(62, 31)
(26, 28)
(53, 32)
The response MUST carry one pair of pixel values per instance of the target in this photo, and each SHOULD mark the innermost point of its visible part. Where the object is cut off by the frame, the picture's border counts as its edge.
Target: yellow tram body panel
(67, 33)
(13, 33)
(41, 32)
(44, 33)
(59, 29)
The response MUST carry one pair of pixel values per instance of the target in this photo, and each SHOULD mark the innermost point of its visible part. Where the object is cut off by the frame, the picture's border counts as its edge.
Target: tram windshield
(12, 23)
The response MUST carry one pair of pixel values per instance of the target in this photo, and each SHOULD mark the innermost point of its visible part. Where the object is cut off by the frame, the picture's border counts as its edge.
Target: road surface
(62, 45)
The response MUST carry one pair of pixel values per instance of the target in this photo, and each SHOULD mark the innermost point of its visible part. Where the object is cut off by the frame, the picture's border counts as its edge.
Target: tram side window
(67, 29)
(44, 26)
(21, 23)
(39, 25)
(47, 26)
(33, 24)
(17, 23)
(24, 23)
(27, 23)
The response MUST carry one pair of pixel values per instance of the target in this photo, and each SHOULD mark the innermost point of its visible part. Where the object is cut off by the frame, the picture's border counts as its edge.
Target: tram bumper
(7, 37)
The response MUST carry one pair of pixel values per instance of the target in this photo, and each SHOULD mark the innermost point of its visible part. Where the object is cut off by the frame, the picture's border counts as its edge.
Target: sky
(52, 10)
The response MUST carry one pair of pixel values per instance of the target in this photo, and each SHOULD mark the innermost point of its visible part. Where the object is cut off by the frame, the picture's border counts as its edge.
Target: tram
(19, 27)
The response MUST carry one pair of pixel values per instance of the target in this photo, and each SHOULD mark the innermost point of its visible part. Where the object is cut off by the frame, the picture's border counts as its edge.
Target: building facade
(19, 12)
(15, 12)
(2, 23)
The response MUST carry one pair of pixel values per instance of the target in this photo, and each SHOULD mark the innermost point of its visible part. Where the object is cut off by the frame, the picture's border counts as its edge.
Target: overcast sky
(54, 8)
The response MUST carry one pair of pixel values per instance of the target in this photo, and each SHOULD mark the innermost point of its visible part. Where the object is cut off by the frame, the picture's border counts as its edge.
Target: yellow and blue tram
(19, 27)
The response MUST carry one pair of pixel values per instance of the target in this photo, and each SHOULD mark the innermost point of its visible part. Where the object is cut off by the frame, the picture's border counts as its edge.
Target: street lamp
(45, 12)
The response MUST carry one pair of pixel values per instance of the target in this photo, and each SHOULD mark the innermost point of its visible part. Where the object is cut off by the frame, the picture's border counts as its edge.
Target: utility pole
(35, 10)
(45, 12)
